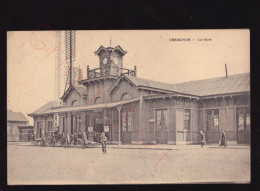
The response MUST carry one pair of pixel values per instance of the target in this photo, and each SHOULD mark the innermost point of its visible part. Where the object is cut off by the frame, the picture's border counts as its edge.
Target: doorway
(71, 126)
(243, 125)
(161, 126)
(126, 125)
(183, 126)
(212, 131)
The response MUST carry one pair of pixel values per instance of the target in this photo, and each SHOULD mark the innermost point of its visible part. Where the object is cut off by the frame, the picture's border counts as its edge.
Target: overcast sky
(31, 65)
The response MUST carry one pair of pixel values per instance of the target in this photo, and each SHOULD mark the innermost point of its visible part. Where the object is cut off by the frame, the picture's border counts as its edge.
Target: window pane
(216, 117)
(158, 115)
(124, 119)
(129, 121)
(241, 122)
(247, 119)
(187, 119)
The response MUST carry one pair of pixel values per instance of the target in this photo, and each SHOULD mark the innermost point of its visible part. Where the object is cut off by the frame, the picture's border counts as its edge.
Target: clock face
(114, 59)
(105, 61)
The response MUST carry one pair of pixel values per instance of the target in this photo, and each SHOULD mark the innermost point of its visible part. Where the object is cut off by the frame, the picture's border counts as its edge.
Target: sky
(31, 58)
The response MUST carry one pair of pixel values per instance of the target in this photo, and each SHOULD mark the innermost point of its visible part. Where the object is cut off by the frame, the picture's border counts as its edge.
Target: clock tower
(111, 60)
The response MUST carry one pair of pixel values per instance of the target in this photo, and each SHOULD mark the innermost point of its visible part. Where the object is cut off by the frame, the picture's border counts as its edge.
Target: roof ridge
(192, 80)
(153, 80)
(206, 79)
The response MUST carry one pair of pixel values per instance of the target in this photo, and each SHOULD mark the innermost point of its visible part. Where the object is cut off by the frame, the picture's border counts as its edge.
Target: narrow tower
(70, 56)
(57, 101)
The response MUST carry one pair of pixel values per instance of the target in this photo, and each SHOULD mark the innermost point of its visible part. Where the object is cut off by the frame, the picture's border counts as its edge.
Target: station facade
(133, 110)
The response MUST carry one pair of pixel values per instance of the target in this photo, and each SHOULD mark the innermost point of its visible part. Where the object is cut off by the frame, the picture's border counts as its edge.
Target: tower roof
(112, 49)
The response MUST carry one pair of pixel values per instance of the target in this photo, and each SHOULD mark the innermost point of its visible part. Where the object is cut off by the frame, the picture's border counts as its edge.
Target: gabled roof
(44, 108)
(145, 83)
(215, 86)
(16, 116)
(79, 89)
(118, 48)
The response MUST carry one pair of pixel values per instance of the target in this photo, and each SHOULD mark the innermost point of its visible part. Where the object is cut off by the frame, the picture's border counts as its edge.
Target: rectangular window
(161, 119)
(212, 118)
(247, 119)
(124, 121)
(129, 121)
(216, 117)
(158, 117)
(49, 125)
(241, 122)
(187, 119)
(63, 127)
(208, 119)
(165, 118)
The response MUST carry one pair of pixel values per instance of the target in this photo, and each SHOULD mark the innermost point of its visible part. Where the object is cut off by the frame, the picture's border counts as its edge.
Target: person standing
(85, 140)
(103, 139)
(67, 141)
(203, 139)
(223, 139)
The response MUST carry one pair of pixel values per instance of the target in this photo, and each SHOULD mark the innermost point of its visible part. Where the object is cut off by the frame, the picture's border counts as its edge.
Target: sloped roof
(215, 86)
(152, 84)
(44, 108)
(16, 116)
(81, 90)
(89, 107)
(118, 48)
(221, 85)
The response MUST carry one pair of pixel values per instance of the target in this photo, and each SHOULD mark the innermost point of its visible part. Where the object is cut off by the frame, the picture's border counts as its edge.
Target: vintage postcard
(128, 106)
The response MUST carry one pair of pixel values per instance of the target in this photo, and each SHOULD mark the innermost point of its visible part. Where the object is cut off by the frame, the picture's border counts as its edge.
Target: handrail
(109, 70)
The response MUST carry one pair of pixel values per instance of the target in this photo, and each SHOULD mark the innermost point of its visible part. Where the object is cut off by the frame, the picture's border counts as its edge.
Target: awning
(89, 107)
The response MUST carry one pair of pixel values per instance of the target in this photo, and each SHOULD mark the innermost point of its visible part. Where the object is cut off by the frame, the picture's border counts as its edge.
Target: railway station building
(133, 110)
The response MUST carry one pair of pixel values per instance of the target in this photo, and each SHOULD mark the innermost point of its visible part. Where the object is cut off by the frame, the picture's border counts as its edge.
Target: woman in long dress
(223, 139)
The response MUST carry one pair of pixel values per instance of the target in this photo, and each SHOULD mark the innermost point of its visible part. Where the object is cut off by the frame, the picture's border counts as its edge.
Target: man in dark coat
(103, 139)
(223, 139)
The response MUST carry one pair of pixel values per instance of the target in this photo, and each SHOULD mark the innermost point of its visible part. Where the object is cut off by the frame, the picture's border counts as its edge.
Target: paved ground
(128, 164)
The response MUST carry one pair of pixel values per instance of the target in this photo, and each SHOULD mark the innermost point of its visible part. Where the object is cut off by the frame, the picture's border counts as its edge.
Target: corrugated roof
(16, 116)
(44, 108)
(214, 86)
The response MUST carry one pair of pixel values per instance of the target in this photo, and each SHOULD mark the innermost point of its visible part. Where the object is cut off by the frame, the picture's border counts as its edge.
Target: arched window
(125, 97)
(75, 103)
(98, 100)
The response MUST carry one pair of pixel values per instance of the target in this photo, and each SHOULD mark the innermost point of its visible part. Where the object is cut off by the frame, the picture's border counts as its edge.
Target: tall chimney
(226, 70)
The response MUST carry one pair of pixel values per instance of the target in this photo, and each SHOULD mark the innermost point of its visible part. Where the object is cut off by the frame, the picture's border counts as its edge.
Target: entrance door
(212, 131)
(98, 127)
(180, 132)
(71, 124)
(126, 119)
(161, 126)
(243, 125)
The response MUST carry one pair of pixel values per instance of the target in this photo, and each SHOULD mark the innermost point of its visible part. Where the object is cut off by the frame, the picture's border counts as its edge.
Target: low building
(133, 110)
(18, 128)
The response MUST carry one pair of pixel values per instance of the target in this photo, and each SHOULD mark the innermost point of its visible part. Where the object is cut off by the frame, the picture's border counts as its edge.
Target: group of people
(102, 137)
(223, 139)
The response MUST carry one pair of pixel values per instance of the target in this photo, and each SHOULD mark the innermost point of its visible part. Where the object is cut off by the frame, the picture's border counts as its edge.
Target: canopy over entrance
(88, 107)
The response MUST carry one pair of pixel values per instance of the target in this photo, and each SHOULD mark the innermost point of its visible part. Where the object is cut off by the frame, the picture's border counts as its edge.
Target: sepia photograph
(101, 107)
